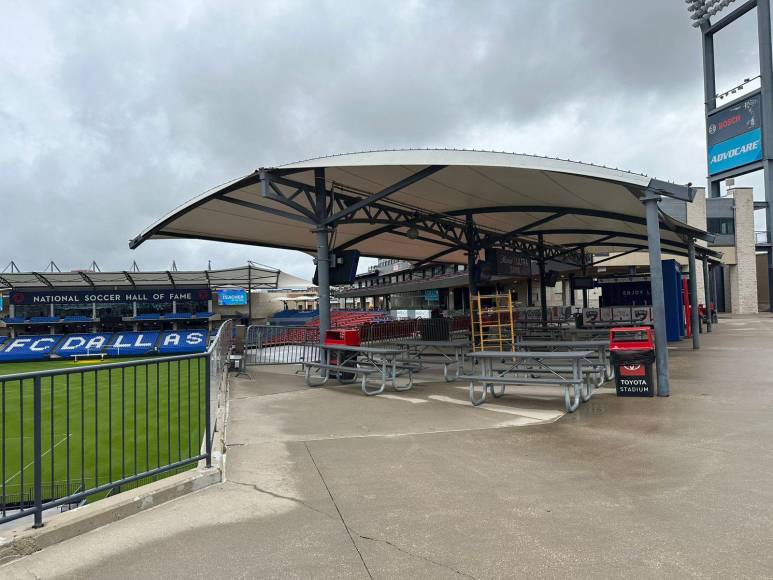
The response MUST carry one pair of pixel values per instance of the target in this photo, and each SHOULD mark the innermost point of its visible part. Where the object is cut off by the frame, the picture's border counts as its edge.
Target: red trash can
(633, 355)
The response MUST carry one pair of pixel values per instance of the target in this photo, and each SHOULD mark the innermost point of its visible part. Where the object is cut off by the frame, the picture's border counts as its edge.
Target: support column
(543, 295)
(650, 202)
(323, 254)
(249, 293)
(571, 289)
(766, 82)
(713, 282)
(707, 292)
(471, 254)
(693, 289)
(584, 273)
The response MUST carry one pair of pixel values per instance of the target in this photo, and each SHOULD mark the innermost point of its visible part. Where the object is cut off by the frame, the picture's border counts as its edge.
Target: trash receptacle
(633, 354)
(346, 337)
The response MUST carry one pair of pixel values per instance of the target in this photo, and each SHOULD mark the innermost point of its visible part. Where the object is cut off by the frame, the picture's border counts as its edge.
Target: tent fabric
(504, 192)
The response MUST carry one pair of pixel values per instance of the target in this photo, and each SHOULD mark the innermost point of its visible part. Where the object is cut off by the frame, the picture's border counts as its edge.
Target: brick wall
(743, 276)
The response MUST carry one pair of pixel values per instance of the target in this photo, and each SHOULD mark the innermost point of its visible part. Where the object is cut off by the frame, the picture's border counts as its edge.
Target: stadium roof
(252, 275)
(412, 204)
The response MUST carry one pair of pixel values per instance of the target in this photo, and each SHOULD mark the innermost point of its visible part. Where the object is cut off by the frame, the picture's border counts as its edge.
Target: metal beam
(658, 296)
(171, 279)
(707, 293)
(387, 191)
(43, 279)
(264, 209)
(631, 251)
(543, 294)
(88, 280)
(323, 254)
(730, 18)
(766, 81)
(692, 286)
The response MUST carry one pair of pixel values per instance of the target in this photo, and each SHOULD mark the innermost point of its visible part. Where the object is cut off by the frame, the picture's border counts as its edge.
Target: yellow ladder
(492, 322)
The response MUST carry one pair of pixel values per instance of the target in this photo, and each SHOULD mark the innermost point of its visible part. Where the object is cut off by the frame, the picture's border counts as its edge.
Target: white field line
(31, 463)
(534, 414)
(399, 398)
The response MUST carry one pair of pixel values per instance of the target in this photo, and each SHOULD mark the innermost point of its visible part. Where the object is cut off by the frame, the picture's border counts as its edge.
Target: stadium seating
(178, 316)
(81, 344)
(15, 320)
(183, 341)
(71, 319)
(44, 320)
(132, 343)
(35, 347)
(148, 316)
(205, 314)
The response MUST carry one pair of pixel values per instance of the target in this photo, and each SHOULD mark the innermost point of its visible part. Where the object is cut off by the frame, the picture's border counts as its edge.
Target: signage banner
(736, 152)
(432, 295)
(232, 297)
(740, 118)
(108, 296)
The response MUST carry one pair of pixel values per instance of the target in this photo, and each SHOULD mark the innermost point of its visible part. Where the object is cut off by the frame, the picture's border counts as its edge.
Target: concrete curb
(24, 541)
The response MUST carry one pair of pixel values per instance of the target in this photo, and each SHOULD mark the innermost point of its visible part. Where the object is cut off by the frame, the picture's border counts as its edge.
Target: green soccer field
(98, 424)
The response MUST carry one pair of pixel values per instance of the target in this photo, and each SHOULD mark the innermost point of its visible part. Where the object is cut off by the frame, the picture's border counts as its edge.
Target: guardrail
(277, 345)
(67, 435)
(761, 237)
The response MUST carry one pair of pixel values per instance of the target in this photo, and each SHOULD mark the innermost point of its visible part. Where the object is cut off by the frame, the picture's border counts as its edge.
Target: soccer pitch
(98, 424)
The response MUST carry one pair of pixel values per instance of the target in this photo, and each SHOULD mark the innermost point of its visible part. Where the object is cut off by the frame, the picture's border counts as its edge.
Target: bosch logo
(730, 121)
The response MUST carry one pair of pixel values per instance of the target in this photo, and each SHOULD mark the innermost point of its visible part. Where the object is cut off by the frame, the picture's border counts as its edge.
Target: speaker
(344, 270)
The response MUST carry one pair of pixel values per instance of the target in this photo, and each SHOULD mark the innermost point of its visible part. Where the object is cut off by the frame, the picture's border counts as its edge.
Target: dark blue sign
(232, 297)
(108, 296)
(432, 295)
(736, 152)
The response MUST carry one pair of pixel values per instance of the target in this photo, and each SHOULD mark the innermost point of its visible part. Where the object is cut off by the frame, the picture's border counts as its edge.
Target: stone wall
(743, 276)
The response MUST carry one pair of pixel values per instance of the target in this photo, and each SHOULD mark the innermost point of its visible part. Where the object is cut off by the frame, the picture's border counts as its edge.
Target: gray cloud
(114, 113)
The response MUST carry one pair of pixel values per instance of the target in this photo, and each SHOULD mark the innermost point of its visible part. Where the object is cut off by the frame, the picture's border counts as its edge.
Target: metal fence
(71, 434)
(273, 345)
(277, 345)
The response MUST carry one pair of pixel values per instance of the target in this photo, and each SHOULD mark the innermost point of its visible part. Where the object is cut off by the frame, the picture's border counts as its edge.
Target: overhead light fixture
(412, 233)
(702, 10)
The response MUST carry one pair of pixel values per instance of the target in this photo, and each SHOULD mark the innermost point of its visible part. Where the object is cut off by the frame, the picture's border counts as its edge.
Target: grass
(98, 424)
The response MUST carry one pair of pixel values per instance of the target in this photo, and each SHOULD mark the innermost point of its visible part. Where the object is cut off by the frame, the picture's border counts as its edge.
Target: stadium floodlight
(702, 10)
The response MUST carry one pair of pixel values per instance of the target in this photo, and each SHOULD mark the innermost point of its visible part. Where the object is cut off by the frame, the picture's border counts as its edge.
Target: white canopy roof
(518, 196)
(255, 276)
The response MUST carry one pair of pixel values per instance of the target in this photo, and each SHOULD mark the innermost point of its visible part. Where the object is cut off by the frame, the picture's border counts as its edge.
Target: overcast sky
(112, 113)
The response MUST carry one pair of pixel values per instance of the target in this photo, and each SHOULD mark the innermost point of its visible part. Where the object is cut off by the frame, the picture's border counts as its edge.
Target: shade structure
(413, 204)
(252, 275)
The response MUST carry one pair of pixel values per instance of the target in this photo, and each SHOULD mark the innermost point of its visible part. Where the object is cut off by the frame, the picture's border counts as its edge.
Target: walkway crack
(415, 555)
(343, 521)
(280, 496)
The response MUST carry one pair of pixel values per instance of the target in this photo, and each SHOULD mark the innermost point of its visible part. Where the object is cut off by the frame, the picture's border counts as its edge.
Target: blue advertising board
(736, 152)
(432, 295)
(232, 297)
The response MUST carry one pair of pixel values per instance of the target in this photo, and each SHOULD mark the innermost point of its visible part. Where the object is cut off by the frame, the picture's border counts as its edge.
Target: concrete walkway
(328, 483)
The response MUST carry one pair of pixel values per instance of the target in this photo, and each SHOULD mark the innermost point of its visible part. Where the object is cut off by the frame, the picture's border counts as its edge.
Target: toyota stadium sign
(734, 135)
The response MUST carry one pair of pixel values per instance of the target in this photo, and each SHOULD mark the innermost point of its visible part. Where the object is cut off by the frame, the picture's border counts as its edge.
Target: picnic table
(359, 362)
(520, 370)
(436, 352)
(600, 348)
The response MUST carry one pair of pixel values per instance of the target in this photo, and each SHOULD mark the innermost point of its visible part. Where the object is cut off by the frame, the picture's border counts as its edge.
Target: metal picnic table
(600, 348)
(418, 350)
(360, 361)
(521, 368)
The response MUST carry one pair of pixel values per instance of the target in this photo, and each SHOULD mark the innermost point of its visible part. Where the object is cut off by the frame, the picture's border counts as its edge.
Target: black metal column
(707, 292)
(323, 254)
(471, 254)
(584, 272)
(658, 295)
(693, 289)
(543, 294)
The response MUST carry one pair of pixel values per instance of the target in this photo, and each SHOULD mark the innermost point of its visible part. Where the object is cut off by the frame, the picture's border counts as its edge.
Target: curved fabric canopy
(413, 204)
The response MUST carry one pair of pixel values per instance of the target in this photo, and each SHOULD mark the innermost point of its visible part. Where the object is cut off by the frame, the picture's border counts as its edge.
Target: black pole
(37, 457)
(585, 290)
(543, 294)
(249, 293)
(470, 235)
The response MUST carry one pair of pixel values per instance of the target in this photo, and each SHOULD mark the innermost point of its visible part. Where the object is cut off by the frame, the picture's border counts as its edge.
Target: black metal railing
(276, 345)
(76, 433)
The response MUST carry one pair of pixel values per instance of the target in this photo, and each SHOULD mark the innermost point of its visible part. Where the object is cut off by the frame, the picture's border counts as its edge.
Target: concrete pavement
(328, 483)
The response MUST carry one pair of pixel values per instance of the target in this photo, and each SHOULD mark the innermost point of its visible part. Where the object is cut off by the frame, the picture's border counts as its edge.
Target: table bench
(436, 352)
(524, 364)
(600, 360)
(360, 362)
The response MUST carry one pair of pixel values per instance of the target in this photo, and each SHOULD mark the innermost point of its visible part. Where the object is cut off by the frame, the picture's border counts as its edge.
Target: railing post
(37, 451)
(207, 405)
